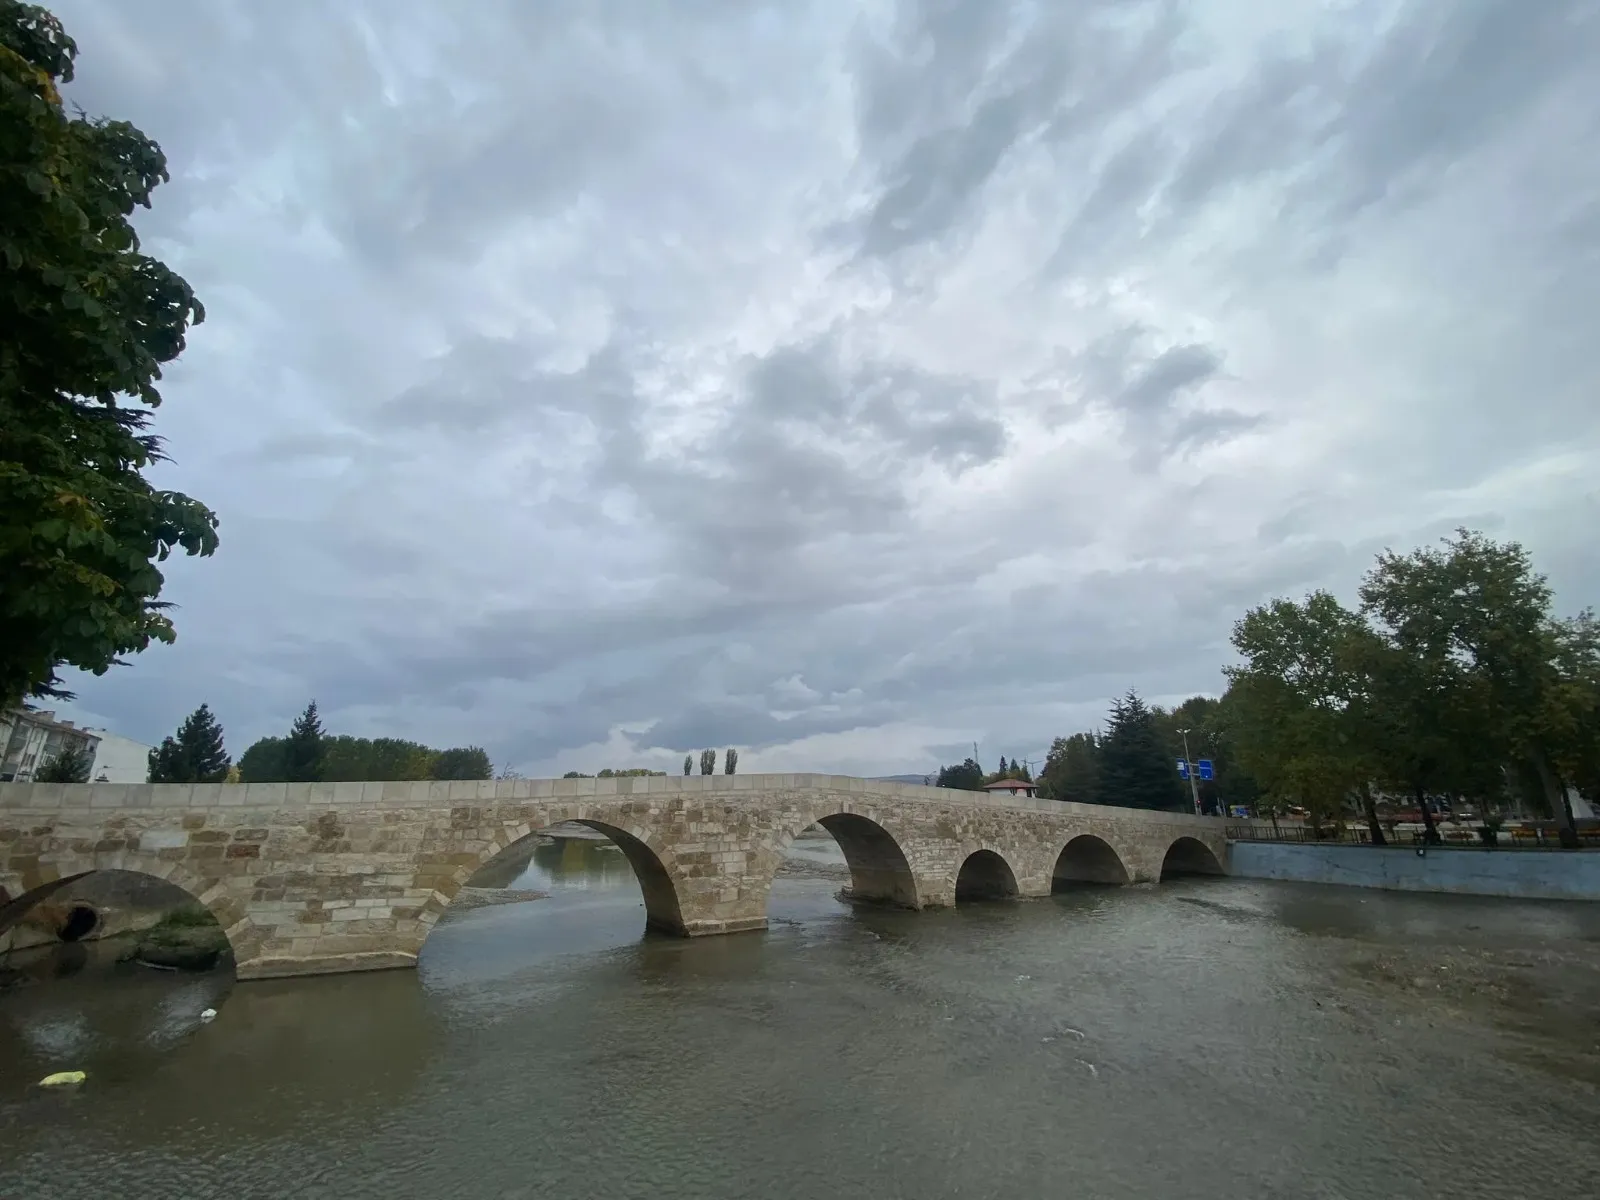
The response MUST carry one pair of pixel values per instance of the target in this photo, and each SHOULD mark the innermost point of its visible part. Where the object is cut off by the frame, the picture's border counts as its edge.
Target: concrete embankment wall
(1528, 874)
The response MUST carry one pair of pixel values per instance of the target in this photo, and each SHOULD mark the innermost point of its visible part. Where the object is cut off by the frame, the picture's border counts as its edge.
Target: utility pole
(1189, 770)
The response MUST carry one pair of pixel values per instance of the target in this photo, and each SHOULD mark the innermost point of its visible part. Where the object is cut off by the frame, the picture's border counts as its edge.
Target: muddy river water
(1206, 1038)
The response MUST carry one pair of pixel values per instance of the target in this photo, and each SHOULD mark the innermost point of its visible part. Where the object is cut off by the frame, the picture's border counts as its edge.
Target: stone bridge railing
(348, 876)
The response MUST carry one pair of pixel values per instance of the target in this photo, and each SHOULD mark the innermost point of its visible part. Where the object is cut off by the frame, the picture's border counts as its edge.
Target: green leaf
(90, 321)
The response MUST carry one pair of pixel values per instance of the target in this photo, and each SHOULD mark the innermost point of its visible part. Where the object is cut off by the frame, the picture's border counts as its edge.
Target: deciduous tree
(708, 762)
(1072, 770)
(1478, 656)
(462, 762)
(1299, 708)
(730, 761)
(86, 320)
(967, 776)
(1575, 705)
(263, 761)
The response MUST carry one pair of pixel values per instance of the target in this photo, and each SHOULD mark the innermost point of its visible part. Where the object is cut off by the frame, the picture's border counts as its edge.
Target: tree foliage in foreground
(195, 755)
(86, 321)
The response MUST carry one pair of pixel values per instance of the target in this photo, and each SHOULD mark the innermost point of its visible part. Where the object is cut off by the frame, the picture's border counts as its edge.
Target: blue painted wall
(1528, 874)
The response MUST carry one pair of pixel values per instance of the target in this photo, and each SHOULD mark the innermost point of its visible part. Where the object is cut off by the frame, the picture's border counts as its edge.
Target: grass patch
(190, 916)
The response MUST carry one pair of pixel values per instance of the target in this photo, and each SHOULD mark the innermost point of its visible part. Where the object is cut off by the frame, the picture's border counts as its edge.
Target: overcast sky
(846, 382)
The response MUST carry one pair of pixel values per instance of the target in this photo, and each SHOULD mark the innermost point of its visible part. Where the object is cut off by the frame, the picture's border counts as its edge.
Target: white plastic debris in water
(208, 1014)
(62, 1077)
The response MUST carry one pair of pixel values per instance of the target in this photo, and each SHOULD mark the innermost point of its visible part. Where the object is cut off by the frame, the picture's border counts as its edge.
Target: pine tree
(304, 750)
(195, 755)
(730, 761)
(1135, 770)
(708, 762)
(688, 764)
(1005, 771)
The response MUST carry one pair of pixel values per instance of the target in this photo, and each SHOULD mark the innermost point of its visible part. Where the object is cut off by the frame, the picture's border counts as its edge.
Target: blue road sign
(1205, 768)
(1183, 769)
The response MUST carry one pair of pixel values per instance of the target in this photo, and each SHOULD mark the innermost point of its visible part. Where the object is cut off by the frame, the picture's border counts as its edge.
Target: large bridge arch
(661, 877)
(880, 869)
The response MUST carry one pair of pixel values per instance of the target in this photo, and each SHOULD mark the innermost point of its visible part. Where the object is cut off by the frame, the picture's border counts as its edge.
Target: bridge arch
(654, 866)
(24, 892)
(1190, 856)
(984, 874)
(1088, 858)
(880, 871)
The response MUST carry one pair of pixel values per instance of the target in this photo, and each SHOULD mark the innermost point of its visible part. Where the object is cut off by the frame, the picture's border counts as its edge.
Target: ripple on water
(1199, 1039)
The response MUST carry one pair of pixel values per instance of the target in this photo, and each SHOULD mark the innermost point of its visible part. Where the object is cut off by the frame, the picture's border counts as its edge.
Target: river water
(1206, 1038)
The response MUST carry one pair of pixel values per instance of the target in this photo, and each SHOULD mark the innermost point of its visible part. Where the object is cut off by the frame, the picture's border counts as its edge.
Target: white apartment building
(31, 738)
(118, 759)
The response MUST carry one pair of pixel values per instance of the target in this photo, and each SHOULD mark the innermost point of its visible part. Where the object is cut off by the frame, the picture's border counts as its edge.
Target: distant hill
(902, 778)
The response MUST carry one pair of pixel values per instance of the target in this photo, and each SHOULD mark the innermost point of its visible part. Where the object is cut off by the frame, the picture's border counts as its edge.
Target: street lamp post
(1189, 770)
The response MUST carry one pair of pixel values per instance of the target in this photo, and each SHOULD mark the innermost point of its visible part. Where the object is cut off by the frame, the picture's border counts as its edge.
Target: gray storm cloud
(845, 383)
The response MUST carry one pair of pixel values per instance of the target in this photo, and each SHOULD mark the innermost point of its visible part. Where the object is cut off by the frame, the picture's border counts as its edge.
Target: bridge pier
(315, 878)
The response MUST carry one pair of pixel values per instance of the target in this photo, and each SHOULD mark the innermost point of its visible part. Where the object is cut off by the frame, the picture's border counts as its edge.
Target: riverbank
(469, 898)
(1464, 871)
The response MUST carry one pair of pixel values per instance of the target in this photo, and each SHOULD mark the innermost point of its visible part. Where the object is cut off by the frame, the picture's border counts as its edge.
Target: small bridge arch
(1088, 858)
(984, 874)
(1190, 856)
(37, 882)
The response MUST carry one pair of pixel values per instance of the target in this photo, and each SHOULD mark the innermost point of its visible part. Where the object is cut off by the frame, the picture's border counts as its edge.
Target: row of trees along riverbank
(306, 754)
(1451, 679)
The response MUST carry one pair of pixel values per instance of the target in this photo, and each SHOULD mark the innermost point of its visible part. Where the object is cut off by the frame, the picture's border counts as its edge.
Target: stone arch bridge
(309, 878)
